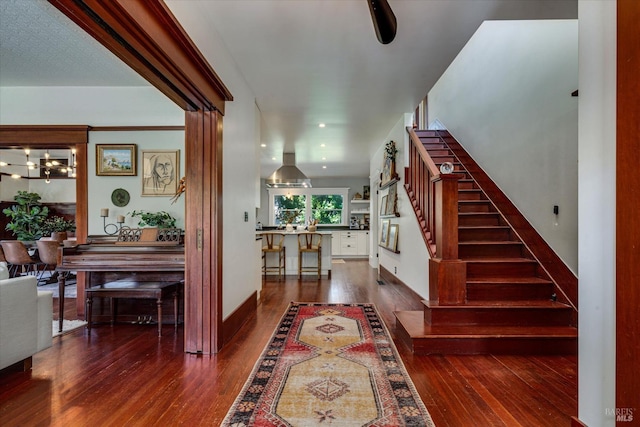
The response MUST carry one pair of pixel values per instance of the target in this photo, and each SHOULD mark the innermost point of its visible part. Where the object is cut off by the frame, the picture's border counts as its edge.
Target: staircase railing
(434, 196)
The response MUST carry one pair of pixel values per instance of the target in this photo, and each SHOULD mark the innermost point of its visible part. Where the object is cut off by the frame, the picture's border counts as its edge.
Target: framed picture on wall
(116, 159)
(393, 237)
(383, 205)
(161, 171)
(392, 199)
(384, 233)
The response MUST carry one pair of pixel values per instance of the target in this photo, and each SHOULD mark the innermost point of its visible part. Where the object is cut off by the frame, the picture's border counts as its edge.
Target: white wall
(241, 139)
(101, 187)
(411, 265)
(597, 213)
(507, 99)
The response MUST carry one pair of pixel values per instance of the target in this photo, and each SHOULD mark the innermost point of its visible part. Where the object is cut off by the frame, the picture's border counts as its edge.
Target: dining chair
(309, 243)
(17, 255)
(48, 254)
(274, 243)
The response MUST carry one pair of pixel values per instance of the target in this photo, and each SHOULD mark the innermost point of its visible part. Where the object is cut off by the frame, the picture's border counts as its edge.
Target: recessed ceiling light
(273, 158)
(324, 158)
(321, 125)
(263, 145)
(324, 166)
(322, 145)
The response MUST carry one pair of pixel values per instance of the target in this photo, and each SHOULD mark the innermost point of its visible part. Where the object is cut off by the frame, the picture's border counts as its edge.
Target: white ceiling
(307, 61)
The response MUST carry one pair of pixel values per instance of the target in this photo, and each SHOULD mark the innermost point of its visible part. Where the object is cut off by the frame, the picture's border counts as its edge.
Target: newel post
(447, 273)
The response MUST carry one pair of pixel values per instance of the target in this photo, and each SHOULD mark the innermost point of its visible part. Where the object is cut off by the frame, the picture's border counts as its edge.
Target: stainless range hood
(288, 175)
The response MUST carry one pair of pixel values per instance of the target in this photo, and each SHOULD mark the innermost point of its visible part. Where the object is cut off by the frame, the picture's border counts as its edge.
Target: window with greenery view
(289, 209)
(327, 208)
(299, 206)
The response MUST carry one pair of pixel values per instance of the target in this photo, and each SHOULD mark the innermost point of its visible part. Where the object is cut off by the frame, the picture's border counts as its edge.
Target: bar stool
(274, 243)
(309, 242)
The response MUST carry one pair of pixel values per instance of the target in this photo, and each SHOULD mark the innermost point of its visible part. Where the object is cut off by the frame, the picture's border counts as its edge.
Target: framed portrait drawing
(384, 233)
(383, 205)
(116, 159)
(393, 237)
(160, 172)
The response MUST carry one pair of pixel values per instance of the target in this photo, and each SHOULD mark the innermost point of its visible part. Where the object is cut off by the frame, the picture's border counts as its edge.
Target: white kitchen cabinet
(351, 243)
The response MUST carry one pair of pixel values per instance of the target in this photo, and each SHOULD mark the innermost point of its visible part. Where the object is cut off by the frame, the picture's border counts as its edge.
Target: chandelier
(47, 167)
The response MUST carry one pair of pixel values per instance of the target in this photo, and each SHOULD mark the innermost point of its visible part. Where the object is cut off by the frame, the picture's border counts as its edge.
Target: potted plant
(27, 216)
(58, 227)
(159, 219)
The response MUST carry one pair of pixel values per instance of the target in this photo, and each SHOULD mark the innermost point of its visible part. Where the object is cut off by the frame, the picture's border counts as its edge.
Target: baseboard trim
(575, 422)
(232, 324)
(388, 277)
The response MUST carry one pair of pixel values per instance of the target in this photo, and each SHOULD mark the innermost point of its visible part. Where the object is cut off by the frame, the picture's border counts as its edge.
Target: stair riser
(470, 195)
(500, 269)
(479, 220)
(471, 250)
(439, 152)
(513, 346)
(466, 185)
(486, 234)
(492, 316)
(473, 206)
(509, 291)
(434, 145)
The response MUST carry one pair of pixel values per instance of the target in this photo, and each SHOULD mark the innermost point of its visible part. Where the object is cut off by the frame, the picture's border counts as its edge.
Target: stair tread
(494, 260)
(519, 280)
(414, 324)
(502, 304)
(490, 242)
(484, 227)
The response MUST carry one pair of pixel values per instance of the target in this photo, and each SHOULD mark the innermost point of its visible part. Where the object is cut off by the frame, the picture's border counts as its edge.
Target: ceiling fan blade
(384, 21)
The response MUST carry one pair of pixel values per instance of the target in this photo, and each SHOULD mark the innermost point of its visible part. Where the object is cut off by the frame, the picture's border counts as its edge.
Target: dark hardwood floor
(126, 375)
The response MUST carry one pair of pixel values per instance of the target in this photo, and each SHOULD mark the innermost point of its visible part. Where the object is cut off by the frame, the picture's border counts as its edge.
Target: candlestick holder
(108, 227)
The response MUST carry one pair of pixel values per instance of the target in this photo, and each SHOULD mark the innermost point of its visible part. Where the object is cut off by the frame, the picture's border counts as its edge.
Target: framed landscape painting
(116, 159)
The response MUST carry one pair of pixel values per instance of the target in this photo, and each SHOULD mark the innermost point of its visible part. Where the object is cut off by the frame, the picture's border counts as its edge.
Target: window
(327, 208)
(289, 209)
(300, 205)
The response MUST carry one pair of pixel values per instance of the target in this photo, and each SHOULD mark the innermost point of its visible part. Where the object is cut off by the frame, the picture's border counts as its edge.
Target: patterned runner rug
(329, 364)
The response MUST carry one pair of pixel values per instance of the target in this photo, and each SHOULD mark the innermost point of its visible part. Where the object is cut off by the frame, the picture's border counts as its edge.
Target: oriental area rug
(329, 364)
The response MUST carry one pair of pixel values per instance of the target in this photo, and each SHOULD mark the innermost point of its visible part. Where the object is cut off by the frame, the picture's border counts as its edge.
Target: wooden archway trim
(146, 36)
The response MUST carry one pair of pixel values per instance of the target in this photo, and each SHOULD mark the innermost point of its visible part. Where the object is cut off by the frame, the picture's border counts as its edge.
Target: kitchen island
(291, 245)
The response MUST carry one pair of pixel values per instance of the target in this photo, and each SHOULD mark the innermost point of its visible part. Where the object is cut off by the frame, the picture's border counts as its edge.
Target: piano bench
(134, 289)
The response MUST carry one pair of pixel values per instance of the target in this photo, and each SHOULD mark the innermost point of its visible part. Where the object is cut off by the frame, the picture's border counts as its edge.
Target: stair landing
(424, 339)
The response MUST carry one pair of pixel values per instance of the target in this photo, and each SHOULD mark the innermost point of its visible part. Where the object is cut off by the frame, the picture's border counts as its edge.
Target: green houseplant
(58, 227)
(27, 216)
(159, 219)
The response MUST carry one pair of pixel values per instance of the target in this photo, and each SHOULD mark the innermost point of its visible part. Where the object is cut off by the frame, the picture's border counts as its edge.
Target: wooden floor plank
(126, 375)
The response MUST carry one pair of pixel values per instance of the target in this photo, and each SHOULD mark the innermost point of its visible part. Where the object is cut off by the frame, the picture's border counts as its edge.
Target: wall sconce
(104, 213)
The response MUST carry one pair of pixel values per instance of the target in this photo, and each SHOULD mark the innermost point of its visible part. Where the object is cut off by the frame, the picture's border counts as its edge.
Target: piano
(108, 261)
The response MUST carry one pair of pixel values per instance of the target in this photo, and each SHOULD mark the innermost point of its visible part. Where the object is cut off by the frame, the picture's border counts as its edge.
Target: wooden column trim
(627, 218)
(203, 240)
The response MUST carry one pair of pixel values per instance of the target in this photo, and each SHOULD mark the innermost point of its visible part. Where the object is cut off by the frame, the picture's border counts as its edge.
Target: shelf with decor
(395, 251)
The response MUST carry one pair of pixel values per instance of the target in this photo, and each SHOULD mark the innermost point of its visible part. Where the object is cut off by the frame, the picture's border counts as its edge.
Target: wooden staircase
(510, 303)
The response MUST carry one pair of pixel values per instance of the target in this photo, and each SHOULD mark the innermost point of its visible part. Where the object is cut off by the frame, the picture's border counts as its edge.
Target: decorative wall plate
(120, 197)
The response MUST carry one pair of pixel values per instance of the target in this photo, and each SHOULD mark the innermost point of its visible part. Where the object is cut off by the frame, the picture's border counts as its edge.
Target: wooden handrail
(434, 197)
(435, 200)
(426, 158)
